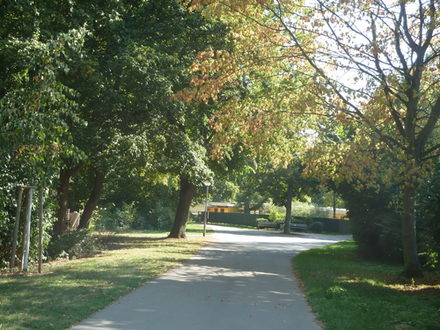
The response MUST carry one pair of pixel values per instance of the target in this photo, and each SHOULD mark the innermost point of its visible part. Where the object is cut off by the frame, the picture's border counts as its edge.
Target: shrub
(74, 243)
(275, 216)
(375, 221)
(316, 227)
(160, 216)
(114, 218)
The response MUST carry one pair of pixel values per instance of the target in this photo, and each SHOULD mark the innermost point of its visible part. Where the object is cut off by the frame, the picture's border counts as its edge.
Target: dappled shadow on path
(241, 280)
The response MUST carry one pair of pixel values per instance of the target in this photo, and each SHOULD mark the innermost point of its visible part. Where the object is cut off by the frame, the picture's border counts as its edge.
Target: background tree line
(128, 106)
(86, 110)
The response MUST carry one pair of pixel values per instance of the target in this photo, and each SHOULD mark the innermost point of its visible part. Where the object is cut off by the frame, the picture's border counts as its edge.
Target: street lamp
(207, 184)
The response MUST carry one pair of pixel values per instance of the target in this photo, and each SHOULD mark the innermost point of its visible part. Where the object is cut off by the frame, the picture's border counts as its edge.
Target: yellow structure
(223, 207)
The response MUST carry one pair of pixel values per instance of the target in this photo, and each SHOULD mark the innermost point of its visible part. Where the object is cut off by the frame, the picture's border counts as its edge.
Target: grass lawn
(350, 293)
(69, 291)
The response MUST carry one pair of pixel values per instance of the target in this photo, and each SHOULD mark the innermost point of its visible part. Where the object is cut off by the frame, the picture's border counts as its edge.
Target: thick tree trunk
(412, 267)
(92, 202)
(187, 192)
(288, 218)
(60, 225)
(63, 198)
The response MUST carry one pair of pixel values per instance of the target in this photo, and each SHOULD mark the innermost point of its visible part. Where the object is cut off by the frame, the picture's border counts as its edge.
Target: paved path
(243, 280)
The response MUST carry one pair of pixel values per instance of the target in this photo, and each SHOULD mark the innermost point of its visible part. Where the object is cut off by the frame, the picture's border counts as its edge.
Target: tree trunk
(63, 198)
(187, 192)
(92, 202)
(411, 261)
(60, 225)
(247, 207)
(288, 218)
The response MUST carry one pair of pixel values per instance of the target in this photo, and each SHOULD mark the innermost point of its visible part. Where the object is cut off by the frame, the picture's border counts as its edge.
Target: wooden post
(27, 230)
(40, 231)
(17, 224)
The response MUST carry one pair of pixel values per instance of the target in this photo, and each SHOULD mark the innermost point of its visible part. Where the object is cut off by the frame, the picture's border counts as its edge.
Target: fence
(236, 218)
(329, 225)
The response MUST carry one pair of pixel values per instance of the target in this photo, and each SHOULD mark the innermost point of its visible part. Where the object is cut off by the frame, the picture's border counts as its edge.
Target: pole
(206, 212)
(17, 224)
(40, 231)
(27, 230)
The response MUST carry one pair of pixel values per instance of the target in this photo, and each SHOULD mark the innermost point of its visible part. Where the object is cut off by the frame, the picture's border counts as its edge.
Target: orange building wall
(223, 209)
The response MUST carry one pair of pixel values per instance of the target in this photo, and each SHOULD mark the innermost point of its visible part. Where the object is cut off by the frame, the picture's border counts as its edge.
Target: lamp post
(207, 184)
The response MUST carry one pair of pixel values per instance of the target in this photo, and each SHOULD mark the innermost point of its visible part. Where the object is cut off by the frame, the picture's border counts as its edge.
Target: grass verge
(347, 292)
(69, 291)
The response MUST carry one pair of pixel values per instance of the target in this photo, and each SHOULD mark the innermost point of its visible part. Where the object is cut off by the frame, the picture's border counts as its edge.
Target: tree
(397, 53)
(125, 81)
(389, 54)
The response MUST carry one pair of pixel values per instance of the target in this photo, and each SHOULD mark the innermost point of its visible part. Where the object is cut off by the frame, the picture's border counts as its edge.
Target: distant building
(224, 207)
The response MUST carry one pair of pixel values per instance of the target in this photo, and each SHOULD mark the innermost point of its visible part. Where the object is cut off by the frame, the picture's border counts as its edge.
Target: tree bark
(411, 263)
(288, 219)
(93, 200)
(187, 192)
(63, 190)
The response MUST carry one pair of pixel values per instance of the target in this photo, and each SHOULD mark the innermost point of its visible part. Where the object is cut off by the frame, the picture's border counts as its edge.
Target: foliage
(351, 293)
(74, 244)
(429, 223)
(7, 228)
(325, 198)
(389, 93)
(86, 91)
(275, 215)
(162, 215)
(131, 216)
(375, 222)
(153, 200)
(115, 218)
(35, 109)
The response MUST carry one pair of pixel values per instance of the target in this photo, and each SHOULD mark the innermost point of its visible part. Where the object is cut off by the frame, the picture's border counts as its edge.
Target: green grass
(69, 291)
(347, 292)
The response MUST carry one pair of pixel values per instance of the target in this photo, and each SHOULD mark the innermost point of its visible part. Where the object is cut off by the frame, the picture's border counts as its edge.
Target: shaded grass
(350, 293)
(69, 291)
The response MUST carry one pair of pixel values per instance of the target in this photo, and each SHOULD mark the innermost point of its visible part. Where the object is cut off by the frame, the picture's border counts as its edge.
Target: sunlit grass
(350, 293)
(69, 291)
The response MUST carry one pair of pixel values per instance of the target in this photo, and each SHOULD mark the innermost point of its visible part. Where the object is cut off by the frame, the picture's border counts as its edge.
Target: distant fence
(244, 219)
(329, 225)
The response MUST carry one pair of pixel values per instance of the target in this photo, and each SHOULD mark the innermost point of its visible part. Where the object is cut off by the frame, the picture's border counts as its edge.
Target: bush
(114, 218)
(275, 216)
(74, 243)
(130, 216)
(162, 216)
(316, 227)
(375, 221)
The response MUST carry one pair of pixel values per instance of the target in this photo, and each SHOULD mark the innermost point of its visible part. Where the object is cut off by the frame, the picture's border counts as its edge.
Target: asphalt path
(242, 280)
